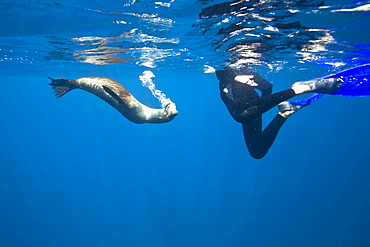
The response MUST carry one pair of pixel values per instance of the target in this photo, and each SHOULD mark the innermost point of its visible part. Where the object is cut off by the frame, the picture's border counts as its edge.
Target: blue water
(74, 172)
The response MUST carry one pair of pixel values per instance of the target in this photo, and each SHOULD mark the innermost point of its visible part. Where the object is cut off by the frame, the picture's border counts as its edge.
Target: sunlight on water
(186, 35)
(147, 81)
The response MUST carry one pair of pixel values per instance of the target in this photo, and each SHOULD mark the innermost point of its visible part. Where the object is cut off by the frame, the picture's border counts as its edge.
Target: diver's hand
(246, 79)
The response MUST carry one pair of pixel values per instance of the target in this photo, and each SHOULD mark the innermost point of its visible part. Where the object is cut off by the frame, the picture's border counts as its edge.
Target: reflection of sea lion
(117, 96)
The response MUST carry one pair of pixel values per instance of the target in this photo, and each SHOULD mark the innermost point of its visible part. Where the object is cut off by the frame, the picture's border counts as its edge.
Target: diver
(246, 106)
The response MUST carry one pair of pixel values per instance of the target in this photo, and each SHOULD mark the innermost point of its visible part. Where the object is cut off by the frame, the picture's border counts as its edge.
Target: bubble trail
(147, 81)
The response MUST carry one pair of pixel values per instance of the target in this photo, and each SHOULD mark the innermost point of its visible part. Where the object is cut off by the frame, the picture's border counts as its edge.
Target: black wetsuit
(246, 107)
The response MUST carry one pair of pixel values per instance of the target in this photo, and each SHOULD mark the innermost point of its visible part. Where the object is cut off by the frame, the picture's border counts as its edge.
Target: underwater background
(74, 172)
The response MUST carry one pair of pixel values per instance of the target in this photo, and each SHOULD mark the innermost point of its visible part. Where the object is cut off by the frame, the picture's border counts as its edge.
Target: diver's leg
(262, 104)
(259, 142)
(252, 136)
(258, 106)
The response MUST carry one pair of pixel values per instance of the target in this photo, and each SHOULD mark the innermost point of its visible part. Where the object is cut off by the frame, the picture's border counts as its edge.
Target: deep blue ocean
(74, 172)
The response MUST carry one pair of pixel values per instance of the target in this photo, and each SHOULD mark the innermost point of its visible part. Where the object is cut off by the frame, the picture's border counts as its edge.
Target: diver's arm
(254, 80)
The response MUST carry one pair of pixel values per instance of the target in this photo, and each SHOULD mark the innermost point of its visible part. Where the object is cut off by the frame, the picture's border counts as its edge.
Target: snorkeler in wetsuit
(237, 88)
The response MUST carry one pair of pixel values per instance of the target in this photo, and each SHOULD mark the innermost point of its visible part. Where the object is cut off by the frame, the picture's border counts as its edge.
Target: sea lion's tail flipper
(61, 86)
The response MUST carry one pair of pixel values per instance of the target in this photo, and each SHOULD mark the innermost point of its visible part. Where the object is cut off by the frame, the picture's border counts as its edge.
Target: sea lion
(117, 96)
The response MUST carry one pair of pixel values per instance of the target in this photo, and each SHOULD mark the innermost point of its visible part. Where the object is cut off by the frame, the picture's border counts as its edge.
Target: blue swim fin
(355, 83)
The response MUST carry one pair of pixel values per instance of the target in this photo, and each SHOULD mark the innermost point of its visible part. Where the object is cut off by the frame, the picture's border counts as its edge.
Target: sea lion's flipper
(61, 86)
(113, 94)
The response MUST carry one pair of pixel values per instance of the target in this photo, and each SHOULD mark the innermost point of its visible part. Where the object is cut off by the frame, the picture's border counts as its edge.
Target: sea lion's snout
(171, 111)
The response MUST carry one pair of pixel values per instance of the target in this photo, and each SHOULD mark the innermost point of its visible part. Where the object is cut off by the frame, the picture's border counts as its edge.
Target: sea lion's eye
(167, 107)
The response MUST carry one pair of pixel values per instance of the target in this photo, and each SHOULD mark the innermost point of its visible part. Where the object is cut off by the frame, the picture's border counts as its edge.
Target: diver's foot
(286, 109)
(330, 85)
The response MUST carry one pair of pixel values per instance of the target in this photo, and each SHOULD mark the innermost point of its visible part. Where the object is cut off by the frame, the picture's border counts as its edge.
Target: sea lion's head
(170, 111)
(164, 115)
